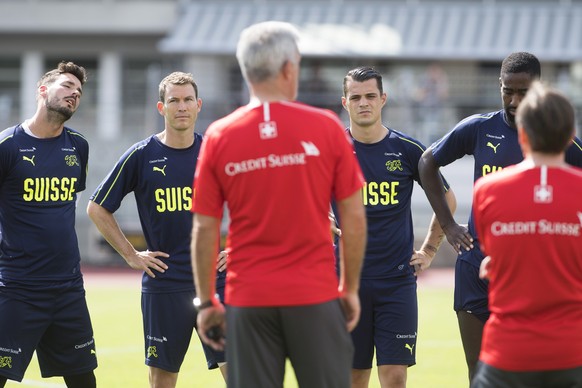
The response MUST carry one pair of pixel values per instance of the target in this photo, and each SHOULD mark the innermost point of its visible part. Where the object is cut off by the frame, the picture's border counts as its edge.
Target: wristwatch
(199, 305)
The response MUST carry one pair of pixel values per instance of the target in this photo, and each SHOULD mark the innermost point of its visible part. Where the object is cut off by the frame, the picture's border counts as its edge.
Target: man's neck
(369, 134)
(176, 139)
(536, 159)
(43, 127)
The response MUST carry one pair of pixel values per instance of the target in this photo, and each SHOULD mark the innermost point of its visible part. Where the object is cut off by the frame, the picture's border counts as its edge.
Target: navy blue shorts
(169, 320)
(388, 322)
(55, 323)
(471, 291)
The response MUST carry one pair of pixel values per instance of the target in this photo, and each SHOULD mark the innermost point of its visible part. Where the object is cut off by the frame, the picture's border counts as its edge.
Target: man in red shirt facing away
(530, 219)
(277, 164)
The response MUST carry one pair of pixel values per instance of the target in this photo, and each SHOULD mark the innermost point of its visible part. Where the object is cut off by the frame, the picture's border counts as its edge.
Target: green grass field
(115, 311)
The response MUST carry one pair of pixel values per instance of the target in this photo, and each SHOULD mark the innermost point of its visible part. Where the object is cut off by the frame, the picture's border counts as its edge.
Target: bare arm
(353, 244)
(457, 235)
(109, 228)
(205, 234)
(422, 259)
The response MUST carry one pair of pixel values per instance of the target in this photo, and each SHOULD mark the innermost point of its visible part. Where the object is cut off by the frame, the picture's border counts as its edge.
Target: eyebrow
(67, 82)
(509, 88)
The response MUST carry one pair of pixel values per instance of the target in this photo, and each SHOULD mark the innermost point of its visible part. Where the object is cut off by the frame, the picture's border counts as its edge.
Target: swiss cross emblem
(268, 130)
(543, 194)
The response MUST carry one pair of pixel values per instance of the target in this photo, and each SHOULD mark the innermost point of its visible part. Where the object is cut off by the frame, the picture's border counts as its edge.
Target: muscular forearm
(203, 248)
(434, 188)
(435, 235)
(109, 228)
(353, 240)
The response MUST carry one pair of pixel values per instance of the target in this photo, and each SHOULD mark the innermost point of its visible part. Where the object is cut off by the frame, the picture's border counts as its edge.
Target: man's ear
(523, 140)
(287, 69)
(42, 90)
(160, 107)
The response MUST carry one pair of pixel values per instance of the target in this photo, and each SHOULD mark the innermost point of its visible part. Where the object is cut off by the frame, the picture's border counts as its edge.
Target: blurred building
(129, 45)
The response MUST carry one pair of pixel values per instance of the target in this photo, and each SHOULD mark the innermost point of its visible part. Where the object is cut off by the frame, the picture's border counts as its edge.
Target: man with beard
(43, 165)
(492, 140)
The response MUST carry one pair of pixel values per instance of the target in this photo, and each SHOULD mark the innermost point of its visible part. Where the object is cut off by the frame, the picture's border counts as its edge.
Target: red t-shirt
(277, 167)
(530, 223)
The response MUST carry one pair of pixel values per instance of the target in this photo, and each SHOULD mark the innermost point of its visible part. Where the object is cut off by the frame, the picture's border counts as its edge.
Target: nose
(516, 99)
(182, 105)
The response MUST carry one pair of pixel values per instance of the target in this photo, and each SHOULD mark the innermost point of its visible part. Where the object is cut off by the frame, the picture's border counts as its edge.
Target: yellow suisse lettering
(487, 169)
(48, 189)
(383, 193)
(159, 195)
(173, 199)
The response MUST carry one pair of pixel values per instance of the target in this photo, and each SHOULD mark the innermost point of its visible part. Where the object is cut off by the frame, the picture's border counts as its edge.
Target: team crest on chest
(393, 165)
(71, 160)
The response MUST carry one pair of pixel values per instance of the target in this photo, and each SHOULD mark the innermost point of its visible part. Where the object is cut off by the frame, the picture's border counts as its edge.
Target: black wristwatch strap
(202, 305)
(206, 304)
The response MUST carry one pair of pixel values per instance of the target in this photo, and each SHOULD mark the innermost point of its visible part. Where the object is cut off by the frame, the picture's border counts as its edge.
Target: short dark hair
(361, 74)
(64, 67)
(548, 118)
(521, 62)
(176, 78)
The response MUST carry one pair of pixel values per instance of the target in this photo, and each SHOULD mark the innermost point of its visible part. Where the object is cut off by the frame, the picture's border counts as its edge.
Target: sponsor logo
(310, 148)
(489, 144)
(393, 165)
(13, 351)
(541, 227)
(27, 159)
(397, 154)
(409, 347)
(272, 161)
(156, 339)
(82, 346)
(495, 136)
(27, 149)
(163, 160)
(68, 149)
(162, 170)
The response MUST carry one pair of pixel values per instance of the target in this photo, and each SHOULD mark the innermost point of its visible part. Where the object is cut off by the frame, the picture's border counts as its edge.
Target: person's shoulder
(75, 134)
(141, 145)
(479, 118)
(407, 140)
(8, 134)
(311, 111)
(576, 173)
(576, 144)
(224, 123)
(505, 176)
